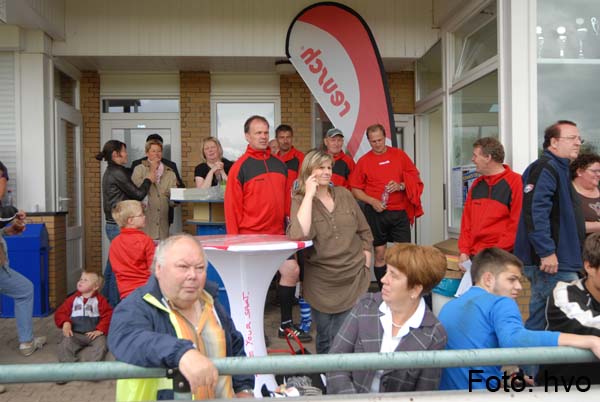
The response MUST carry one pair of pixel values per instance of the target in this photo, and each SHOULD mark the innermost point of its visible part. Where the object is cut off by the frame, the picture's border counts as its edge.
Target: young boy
(84, 319)
(132, 251)
(575, 308)
(487, 316)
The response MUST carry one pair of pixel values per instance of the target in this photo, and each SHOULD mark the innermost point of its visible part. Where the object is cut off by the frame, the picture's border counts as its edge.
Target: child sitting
(84, 318)
(132, 251)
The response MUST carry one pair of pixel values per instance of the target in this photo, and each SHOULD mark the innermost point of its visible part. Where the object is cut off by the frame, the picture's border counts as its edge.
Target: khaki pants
(88, 350)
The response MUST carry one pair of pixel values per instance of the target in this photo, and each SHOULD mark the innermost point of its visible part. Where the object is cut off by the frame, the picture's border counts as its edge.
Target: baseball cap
(332, 132)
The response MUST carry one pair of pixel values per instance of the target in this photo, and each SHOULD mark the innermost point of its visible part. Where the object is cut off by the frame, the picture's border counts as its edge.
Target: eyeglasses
(594, 171)
(573, 138)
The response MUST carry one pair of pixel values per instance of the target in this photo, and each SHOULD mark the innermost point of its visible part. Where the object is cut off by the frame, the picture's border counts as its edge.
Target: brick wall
(296, 109)
(194, 114)
(402, 91)
(56, 226)
(92, 214)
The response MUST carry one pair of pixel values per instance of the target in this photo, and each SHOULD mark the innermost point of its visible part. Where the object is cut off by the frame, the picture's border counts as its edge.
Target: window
(429, 71)
(230, 119)
(568, 50)
(474, 115)
(476, 41)
(140, 106)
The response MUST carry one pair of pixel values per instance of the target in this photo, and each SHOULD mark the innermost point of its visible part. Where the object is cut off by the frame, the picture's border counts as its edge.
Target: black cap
(332, 132)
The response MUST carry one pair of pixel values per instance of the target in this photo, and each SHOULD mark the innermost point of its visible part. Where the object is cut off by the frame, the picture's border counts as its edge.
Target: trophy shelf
(567, 61)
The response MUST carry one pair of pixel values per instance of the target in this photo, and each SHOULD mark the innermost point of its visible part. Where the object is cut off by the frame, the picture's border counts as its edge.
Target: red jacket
(491, 213)
(343, 165)
(131, 254)
(256, 196)
(293, 160)
(101, 317)
(374, 171)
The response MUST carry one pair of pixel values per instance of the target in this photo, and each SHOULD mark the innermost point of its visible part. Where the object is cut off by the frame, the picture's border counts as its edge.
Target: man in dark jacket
(551, 229)
(175, 322)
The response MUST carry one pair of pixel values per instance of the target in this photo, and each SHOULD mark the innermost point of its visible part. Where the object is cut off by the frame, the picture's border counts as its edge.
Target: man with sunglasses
(551, 228)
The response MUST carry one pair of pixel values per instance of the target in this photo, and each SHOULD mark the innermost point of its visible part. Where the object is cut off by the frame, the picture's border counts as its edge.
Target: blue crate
(28, 255)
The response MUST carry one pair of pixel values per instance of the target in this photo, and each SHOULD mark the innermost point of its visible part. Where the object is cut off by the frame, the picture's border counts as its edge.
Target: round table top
(251, 242)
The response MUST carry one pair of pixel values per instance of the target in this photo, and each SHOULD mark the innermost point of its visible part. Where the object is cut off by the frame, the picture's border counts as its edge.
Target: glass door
(68, 184)
(430, 162)
(133, 132)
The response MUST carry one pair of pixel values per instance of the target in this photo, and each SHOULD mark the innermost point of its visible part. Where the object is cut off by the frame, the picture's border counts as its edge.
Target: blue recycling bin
(212, 228)
(28, 255)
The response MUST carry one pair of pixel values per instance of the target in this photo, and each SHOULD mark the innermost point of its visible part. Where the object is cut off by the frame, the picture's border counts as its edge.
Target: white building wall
(47, 15)
(402, 28)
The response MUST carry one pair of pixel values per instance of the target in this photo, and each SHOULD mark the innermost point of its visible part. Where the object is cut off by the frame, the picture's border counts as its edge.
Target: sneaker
(28, 348)
(302, 336)
(2, 389)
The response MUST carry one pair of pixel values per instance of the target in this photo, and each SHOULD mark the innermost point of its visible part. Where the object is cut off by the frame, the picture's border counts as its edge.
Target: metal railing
(53, 372)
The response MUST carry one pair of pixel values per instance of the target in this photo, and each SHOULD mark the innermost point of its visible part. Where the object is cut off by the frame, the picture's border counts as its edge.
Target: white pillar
(518, 82)
(34, 124)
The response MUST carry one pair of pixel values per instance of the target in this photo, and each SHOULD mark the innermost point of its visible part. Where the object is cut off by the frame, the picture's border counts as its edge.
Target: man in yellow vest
(175, 322)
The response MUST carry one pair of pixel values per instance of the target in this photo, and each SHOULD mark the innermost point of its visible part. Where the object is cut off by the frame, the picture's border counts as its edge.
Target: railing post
(181, 386)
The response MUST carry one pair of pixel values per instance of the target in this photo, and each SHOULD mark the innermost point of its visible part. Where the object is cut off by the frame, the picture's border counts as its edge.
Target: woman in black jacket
(117, 186)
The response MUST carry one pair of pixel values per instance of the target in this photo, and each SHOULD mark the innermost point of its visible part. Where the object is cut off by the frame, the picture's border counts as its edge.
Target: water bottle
(385, 196)
(10, 200)
(305, 315)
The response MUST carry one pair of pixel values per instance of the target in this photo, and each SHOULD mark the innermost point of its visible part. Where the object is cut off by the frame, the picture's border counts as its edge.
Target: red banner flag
(334, 51)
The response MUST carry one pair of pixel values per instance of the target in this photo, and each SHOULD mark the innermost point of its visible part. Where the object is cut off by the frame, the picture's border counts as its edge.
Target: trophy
(595, 25)
(581, 33)
(562, 40)
(540, 41)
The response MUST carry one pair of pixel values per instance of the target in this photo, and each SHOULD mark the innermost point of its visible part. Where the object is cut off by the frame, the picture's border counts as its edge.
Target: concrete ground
(85, 391)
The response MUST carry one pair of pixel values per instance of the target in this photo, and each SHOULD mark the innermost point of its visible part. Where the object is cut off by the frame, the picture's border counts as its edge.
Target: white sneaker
(27, 348)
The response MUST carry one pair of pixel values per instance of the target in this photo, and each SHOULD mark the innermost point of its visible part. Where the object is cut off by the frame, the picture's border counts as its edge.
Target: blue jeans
(542, 285)
(110, 290)
(15, 285)
(327, 326)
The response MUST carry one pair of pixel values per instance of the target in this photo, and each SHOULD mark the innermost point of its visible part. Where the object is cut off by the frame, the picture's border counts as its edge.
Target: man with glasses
(551, 228)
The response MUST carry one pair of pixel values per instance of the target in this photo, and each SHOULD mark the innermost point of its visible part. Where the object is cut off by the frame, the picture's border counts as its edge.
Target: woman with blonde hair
(393, 320)
(159, 194)
(337, 267)
(215, 168)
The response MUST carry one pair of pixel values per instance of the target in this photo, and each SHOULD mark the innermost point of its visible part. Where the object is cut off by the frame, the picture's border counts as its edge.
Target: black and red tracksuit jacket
(343, 165)
(491, 213)
(256, 196)
(293, 160)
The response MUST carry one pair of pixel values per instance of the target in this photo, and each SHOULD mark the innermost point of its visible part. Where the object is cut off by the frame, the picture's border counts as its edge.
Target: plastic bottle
(305, 315)
(385, 196)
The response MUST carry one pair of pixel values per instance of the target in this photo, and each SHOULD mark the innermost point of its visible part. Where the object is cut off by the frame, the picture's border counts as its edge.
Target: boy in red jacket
(84, 319)
(132, 251)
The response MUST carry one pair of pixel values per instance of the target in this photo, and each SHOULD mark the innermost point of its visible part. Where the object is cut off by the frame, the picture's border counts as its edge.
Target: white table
(246, 264)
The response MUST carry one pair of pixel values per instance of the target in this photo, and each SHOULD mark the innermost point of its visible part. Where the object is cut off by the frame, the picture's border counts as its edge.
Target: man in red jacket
(290, 156)
(256, 197)
(493, 206)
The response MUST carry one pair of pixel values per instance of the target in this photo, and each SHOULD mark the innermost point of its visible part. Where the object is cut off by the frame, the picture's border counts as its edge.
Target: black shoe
(288, 330)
